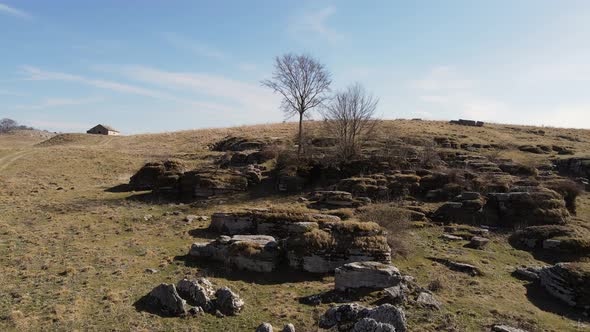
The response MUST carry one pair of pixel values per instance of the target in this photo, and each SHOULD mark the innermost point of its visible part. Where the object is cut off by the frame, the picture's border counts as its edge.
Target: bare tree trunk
(300, 143)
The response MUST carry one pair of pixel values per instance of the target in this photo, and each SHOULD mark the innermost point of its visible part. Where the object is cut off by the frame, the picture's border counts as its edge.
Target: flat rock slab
(374, 275)
(258, 253)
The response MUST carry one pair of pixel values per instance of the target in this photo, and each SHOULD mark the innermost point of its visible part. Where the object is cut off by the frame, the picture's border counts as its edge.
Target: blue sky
(151, 66)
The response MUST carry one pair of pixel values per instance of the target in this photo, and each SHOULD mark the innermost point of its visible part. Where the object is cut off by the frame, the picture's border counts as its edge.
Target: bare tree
(7, 125)
(350, 117)
(303, 82)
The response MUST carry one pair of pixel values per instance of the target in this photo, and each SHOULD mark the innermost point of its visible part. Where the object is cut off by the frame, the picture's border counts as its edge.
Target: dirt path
(11, 158)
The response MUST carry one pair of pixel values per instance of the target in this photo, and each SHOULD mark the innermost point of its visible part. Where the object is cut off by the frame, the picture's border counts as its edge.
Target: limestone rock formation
(366, 275)
(569, 282)
(259, 253)
(335, 244)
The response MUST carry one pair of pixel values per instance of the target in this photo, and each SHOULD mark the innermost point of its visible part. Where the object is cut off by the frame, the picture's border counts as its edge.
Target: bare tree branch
(303, 82)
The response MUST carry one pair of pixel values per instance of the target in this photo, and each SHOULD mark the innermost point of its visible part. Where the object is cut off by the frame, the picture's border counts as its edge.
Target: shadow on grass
(120, 188)
(539, 297)
(352, 295)
(219, 270)
(203, 233)
(144, 305)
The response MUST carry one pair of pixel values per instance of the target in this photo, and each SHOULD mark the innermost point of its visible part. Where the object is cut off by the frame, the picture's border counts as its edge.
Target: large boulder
(569, 282)
(374, 275)
(228, 302)
(165, 300)
(258, 253)
(157, 174)
(197, 292)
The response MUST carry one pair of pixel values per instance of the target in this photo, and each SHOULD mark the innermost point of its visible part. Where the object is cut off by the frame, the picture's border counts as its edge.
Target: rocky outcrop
(526, 206)
(165, 300)
(267, 221)
(206, 183)
(373, 275)
(469, 123)
(569, 282)
(236, 143)
(257, 253)
(332, 245)
(466, 208)
(336, 199)
(522, 206)
(574, 167)
(357, 318)
(157, 175)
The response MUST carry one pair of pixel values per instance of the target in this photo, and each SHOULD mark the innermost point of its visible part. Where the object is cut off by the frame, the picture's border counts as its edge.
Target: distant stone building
(103, 130)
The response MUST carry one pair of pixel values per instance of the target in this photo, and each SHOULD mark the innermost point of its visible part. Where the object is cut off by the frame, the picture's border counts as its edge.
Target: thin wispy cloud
(11, 93)
(442, 78)
(314, 24)
(58, 125)
(37, 74)
(250, 97)
(197, 48)
(5, 9)
(59, 102)
(201, 86)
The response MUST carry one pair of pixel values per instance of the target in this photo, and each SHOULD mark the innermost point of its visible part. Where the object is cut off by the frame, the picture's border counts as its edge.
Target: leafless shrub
(569, 189)
(350, 117)
(396, 221)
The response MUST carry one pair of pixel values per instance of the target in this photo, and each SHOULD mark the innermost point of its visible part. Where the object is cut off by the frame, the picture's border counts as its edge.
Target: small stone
(527, 273)
(397, 294)
(151, 271)
(478, 242)
(450, 237)
(190, 218)
(427, 300)
(148, 217)
(264, 327)
(288, 328)
(218, 314)
(506, 328)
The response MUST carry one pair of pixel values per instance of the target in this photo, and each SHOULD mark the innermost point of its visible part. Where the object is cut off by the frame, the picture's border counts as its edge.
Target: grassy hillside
(74, 254)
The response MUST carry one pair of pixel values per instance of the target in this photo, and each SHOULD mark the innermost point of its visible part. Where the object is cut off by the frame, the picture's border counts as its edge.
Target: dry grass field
(74, 254)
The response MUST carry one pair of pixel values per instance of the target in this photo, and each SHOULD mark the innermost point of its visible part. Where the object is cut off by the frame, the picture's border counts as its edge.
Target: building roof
(106, 127)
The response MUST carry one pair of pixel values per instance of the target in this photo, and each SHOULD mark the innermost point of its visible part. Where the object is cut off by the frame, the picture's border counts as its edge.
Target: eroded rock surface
(374, 275)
